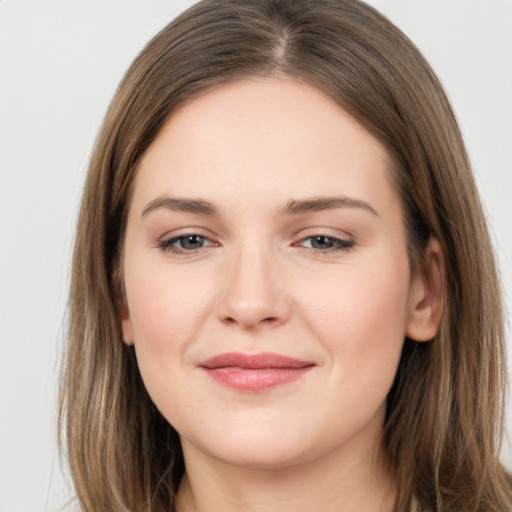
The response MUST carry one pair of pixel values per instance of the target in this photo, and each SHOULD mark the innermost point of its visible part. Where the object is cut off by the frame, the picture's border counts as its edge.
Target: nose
(254, 293)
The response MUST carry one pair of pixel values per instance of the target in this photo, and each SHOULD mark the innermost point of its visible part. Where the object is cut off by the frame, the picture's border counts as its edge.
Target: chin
(267, 456)
(263, 447)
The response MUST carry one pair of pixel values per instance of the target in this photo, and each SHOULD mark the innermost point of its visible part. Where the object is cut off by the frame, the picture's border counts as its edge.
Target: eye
(186, 244)
(324, 243)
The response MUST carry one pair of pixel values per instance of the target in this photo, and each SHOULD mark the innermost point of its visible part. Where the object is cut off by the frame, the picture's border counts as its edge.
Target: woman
(277, 298)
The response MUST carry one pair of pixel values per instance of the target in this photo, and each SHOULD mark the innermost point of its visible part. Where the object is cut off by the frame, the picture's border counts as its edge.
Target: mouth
(254, 372)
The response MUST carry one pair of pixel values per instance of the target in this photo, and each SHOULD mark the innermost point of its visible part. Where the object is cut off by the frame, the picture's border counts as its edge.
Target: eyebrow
(293, 207)
(177, 204)
(298, 207)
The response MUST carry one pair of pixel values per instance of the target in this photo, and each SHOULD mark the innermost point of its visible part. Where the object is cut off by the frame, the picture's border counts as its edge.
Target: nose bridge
(253, 292)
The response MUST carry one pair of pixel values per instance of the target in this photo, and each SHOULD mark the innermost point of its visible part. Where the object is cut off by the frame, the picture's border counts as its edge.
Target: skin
(258, 279)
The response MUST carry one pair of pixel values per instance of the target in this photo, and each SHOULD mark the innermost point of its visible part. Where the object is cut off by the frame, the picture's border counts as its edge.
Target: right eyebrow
(178, 204)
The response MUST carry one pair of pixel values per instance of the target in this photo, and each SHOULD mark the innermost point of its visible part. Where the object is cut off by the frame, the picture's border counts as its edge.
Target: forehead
(263, 139)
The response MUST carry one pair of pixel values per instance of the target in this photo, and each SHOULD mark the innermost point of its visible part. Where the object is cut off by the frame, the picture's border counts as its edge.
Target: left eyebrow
(298, 207)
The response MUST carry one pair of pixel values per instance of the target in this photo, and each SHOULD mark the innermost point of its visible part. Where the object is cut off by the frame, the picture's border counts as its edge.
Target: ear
(122, 307)
(126, 322)
(426, 295)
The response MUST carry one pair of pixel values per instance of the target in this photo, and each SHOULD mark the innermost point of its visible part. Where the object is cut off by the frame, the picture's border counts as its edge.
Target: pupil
(322, 242)
(192, 242)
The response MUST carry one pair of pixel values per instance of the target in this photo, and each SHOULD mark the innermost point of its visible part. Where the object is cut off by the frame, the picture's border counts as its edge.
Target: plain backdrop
(60, 62)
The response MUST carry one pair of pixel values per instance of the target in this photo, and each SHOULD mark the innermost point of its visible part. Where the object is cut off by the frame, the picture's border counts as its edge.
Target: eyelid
(341, 242)
(165, 242)
(185, 231)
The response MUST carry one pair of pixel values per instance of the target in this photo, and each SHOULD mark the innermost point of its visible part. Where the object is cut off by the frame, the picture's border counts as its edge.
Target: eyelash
(167, 245)
(338, 244)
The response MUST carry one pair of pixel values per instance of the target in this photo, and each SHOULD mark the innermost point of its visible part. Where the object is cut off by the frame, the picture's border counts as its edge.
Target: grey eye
(190, 242)
(323, 242)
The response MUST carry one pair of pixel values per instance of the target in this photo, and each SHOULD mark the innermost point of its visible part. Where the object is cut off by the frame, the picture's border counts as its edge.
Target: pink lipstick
(254, 372)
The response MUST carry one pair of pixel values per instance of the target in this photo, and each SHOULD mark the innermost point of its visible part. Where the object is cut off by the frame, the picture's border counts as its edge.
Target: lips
(254, 372)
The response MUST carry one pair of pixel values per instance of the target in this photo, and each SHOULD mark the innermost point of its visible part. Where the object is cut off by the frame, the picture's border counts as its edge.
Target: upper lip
(253, 361)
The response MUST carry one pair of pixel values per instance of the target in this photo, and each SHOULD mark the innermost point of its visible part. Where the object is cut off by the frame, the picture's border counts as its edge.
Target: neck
(330, 484)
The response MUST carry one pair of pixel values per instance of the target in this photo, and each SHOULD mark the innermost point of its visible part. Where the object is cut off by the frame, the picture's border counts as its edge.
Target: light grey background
(60, 62)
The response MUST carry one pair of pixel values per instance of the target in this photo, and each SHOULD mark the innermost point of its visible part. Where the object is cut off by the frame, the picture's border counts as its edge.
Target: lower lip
(248, 379)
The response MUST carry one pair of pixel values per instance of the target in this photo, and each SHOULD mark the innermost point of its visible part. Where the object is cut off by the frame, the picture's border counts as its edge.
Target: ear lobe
(126, 326)
(426, 298)
(122, 306)
(126, 322)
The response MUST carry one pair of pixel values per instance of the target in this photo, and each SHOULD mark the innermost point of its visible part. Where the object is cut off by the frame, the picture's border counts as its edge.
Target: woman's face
(267, 277)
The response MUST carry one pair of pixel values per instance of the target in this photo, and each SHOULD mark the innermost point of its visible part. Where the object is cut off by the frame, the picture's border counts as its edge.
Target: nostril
(251, 322)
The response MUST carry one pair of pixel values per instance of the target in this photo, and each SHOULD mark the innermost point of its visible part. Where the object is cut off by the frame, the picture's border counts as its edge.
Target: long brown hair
(444, 418)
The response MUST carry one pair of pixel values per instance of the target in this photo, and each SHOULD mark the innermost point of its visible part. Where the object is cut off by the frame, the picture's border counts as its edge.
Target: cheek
(359, 318)
(165, 306)
(360, 315)
(166, 313)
